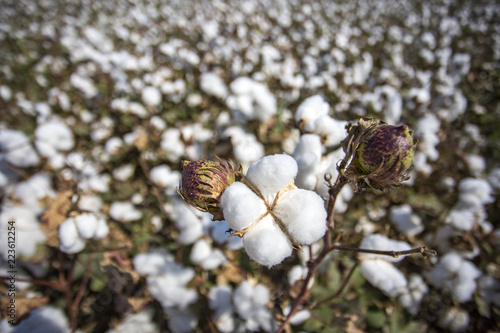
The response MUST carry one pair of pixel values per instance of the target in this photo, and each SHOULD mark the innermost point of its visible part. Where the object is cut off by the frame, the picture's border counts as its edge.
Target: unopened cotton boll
(272, 173)
(241, 206)
(266, 243)
(303, 212)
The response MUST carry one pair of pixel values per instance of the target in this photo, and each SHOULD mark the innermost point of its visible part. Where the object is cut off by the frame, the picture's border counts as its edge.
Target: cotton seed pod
(203, 182)
(382, 154)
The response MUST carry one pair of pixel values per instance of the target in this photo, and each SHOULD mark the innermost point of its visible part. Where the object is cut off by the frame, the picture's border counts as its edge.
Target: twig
(422, 250)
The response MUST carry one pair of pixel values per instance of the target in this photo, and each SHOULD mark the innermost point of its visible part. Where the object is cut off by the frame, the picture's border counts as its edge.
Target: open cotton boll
(304, 214)
(32, 191)
(114, 145)
(309, 110)
(170, 290)
(187, 220)
(383, 275)
(241, 206)
(42, 320)
(124, 212)
(407, 223)
(333, 131)
(271, 174)
(86, 223)
(299, 317)
(152, 263)
(213, 85)
(413, 294)
(382, 243)
(163, 176)
(308, 153)
(28, 231)
(137, 322)
(219, 299)
(455, 320)
(266, 243)
(455, 275)
(151, 96)
(203, 255)
(53, 136)
(250, 304)
(71, 241)
(16, 149)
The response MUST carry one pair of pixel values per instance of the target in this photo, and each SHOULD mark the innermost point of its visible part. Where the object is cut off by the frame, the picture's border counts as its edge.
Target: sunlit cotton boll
(187, 220)
(137, 322)
(28, 231)
(151, 96)
(300, 214)
(406, 222)
(16, 149)
(213, 85)
(382, 243)
(52, 137)
(74, 231)
(309, 111)
(383, 275)
(220, 301)
(202, 254)
(124, 212)
(43, 319)
(455, 275)
(164, 177)
(250, 304)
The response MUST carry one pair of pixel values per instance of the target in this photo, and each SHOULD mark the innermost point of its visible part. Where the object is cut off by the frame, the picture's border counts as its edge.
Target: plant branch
(422, 250)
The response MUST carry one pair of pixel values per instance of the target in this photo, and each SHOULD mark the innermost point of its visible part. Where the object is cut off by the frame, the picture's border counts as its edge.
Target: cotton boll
(411, 296)
(71, 241)
(32, 191)
(164, 177)
(407, 223)
(219, 299)
(333, 131)
(16, 149)
(271, 174)
(124, 212)
(308, 153)
(476, 164)
(297, 273)
(28, 231)
(182, 320)
(299, 317)
(309, 110)
(114, 145)
(203, 255)
(152, 263)
(304, 215)
(213, 85)
(86, 224)
(187, 220)
(455, 320)
(250, 304)
(172, 144)
(124, 172)
(240, 206)
(53, 136)
(383, 275)
(151, 96)
(44, 319)
(455, 275)
(489, 289)
(102, 229)
(382, 243)
(170, 291)
(266, 243)
(137, 322)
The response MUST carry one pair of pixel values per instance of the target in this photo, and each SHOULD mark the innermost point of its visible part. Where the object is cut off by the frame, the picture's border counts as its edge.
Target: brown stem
(333, 194)
(422, 250)
(40, 282)
(81, 290)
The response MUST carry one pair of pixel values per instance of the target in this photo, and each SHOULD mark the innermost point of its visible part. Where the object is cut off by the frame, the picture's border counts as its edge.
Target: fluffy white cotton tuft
(124, 212)
(241, 206)
(406, 222)
(250, 304)
(213, 85)
(303, 212)
(16, 149)
(44, 319)
(309, 110)
(71, 241)
(202, 254)
(271, 174)
(383, 275)
(151, 96)
(266, 243)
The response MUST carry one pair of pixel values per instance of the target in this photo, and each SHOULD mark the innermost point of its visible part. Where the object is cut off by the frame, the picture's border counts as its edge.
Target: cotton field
(101, 101)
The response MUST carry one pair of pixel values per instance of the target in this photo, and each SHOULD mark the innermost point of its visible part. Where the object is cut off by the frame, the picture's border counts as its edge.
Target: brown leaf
(55, 215)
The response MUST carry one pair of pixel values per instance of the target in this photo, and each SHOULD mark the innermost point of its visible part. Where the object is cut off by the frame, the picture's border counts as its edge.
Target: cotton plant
(263, 208)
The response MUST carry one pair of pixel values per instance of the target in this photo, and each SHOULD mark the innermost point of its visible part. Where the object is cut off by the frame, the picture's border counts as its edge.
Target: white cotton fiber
(405, 221)
(44, 319)
(124, 212)
(272, 173)
(383, 275)
(151, 96)
(152, 263)
(86, 223)
(382, 243)
(202, 254)
(309, 110)
(266, 243)
(70, 239)
(219, 299)
(218, 231)
(241, 206)
(102, 229)
(16, 149)
(303, 212)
